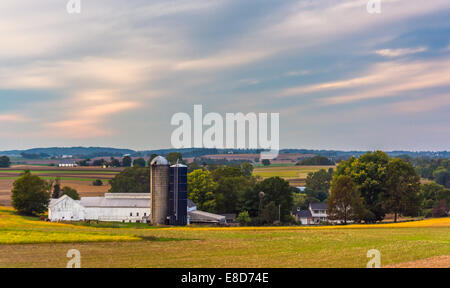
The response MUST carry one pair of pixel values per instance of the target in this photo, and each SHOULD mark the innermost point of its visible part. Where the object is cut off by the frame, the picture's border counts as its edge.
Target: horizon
(171, 148)
(115, 73)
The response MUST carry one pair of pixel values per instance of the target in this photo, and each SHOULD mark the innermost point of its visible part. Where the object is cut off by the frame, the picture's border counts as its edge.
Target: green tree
(316, 160)
(56, 188)
(114, 162)
(153, 156)
(369, 173)
(4, 162)
(278, 191)
(227, 171)
(243, 218)
(403, 188)
(431, 193)
(72, 193)
(230, 193)
(265, 162)
(247, 169)
(139, 162)
(126, 161)
(173, 157)
(344, 203)
(442, 176)
(318, 184)
(201, 187)
(132, 180)
(30, 195)
(97, 182)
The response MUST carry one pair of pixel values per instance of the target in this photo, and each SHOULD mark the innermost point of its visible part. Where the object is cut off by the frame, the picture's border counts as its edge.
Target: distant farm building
(67, 163)
(315, 214)
(166, 204)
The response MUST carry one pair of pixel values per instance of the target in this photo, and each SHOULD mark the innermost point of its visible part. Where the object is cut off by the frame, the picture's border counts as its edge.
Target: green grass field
(27, 242)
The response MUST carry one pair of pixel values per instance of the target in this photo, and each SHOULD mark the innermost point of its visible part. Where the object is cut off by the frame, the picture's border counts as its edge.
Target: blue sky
(114, 75)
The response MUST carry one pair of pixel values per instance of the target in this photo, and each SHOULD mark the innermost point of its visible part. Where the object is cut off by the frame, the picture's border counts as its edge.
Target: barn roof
(115, 202)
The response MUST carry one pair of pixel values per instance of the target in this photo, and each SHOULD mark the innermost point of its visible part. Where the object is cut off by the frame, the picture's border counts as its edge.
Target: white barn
(114, 207)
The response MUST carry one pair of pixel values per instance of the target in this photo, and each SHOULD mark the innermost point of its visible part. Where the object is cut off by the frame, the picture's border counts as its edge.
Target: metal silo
(178, 195)
(159, 190)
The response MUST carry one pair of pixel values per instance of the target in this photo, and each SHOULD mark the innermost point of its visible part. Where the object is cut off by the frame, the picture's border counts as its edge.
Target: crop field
(79, 178)
(27, 242)
(296, 175)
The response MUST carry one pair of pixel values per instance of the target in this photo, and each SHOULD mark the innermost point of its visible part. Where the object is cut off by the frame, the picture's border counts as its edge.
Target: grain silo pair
(168, 192)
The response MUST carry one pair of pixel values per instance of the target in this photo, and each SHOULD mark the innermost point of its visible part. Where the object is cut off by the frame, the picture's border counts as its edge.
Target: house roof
(304, 214)
(319, 206)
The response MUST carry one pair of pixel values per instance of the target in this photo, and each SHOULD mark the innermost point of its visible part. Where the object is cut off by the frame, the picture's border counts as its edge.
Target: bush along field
(29, 242)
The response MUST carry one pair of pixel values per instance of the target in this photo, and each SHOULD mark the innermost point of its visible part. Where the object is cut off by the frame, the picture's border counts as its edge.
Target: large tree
(402, 189)
(30, 194)
(4, 162)
(344, 203)
(133, 180)
(278, 191)
(72, 193)
(369, 173)
(201, 187)
(318, 184)
(139, 162)
(126, 161)
(230, 193)
(173, 157)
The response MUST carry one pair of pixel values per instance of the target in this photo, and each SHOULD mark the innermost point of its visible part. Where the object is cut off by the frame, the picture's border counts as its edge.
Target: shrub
(97, 182)
(243, 218)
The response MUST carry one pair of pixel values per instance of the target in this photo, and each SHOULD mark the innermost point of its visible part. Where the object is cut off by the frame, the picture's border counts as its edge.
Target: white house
(316, 213)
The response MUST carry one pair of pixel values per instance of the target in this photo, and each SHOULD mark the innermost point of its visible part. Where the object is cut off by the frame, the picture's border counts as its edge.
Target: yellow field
(16, 229)
(287, 171)
(28, 242)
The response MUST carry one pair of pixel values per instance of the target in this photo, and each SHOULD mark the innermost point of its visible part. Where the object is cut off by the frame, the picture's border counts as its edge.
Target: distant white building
(316, 213)
(67, 163)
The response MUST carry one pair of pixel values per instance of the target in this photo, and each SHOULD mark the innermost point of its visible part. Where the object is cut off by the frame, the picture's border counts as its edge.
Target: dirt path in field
(433, 262)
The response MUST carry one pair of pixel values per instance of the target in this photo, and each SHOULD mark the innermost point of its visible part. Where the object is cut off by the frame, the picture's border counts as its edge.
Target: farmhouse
(315, 214)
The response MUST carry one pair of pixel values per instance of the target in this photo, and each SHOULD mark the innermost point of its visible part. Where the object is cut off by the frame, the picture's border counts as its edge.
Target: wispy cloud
(400, 52)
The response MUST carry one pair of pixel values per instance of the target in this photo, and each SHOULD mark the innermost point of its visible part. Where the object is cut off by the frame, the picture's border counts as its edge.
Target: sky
(115, 74)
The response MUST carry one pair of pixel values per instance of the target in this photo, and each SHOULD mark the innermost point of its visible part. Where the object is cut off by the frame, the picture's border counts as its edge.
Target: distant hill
(91, 152)
(74, 151)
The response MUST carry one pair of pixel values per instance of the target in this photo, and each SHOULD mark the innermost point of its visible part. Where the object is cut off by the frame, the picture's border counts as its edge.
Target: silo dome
(159, 160)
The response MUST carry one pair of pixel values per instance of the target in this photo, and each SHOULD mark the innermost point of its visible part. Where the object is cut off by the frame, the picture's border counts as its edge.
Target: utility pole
(279, 213)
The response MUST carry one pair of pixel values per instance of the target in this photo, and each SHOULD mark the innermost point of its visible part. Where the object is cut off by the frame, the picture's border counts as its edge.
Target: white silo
(159, 190)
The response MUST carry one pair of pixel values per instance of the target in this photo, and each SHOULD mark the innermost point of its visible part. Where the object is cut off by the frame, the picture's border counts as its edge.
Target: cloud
(427, 104)
(13, 118)
(400, 52)
(396, 77)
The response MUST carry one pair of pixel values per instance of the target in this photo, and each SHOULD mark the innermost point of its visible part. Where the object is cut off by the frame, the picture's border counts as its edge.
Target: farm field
(296, 175)
(144, 246)
(79, 178)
